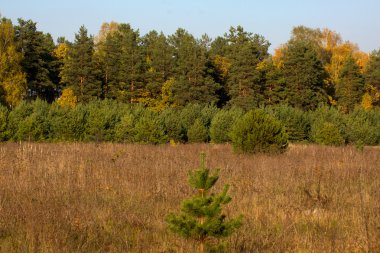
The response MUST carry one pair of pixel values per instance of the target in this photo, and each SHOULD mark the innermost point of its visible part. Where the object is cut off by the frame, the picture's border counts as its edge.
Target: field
(114, 197)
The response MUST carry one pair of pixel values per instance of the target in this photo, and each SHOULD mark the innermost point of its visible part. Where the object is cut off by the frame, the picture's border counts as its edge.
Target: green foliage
(124, 131)
(201, 216)
(372, 73)
(171, 121)
(327, 114)
(257, 131)
(147, 128)
(16, 118)
(102, 119)
(304, 76)
(363, 127)
(222, 123)
(3, 122)
(328, 134)
(296, 123)
(350, 88)
(197, 133)
(79, 70)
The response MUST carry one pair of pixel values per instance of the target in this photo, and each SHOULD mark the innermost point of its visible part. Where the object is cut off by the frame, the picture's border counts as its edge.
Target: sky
(357, 21)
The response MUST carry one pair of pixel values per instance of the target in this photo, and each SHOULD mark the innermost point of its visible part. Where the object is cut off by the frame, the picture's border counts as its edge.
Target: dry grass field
(114, 198)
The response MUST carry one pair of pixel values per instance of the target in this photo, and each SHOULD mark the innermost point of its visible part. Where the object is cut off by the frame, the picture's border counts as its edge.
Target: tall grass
(114, 198)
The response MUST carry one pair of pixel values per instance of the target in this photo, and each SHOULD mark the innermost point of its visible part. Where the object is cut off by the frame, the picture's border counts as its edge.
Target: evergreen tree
(38, 62)
(79, 70)
(193, 82)
(350, 87)
(244, 83)
(159, 63)
(132, 67)
(372, 73)
(201, 217)
(304, 76)
(12, 78)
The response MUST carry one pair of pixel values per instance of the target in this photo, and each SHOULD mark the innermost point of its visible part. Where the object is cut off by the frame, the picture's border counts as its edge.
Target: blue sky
(357, 21)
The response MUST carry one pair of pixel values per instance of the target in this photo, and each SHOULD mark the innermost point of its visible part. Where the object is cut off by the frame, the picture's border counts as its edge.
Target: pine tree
(244, 83)
(193, 82)
(350, 87)
(79, 71)
(303, 75)
(39, 62)
(201, 217)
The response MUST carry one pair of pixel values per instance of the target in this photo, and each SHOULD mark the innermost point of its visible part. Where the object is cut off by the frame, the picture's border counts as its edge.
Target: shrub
(15, 119)
(3, 122)
(222, 123)
(363, 126)
(171, 121)
(296, 123)
(148, 129)
(328, 134)
(197, 133)
(257, 131)
(328, 114)
(124, 131)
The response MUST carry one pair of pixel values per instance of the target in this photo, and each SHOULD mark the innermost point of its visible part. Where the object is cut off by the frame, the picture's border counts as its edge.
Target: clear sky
(356, 20)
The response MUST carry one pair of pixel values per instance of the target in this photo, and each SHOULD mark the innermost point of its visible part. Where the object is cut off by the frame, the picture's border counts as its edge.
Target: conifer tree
(201, 218)
(350, 87)
(79, 71)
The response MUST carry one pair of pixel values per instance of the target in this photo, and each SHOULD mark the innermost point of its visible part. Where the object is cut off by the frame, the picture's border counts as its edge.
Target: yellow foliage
(278, 56)
(361, 59)
(367, 101)
(223, 65)
(67, 99)
(61, 51)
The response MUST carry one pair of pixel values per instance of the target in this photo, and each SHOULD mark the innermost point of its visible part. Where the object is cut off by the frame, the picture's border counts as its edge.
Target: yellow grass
(114, 198)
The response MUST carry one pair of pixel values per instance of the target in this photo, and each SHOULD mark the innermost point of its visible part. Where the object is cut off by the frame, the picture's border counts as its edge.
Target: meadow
(114, 197)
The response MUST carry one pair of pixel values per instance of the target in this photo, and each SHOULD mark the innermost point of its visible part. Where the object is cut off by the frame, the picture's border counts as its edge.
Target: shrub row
(108, 120)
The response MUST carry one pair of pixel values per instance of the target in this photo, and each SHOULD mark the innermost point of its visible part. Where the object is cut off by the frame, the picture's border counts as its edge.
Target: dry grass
(113, 198)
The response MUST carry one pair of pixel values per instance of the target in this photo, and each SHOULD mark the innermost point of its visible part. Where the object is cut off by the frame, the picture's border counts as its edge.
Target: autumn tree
(79, 71)
(12, 78)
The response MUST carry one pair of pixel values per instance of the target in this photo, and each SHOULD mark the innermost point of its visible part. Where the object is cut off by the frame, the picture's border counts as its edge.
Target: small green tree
(258, 131)
(328, 134)
(201, 217)
(197, 133)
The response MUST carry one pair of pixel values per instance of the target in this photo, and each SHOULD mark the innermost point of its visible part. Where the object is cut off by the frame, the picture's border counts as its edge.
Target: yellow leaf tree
(12, 79)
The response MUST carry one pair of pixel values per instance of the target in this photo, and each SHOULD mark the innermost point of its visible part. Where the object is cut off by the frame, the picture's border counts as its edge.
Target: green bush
(15, 119)
(171, 121)
(197, 133)
(124, 131)
(257, 131)
(3, 122)
(328, 134)
(296, 122)
(328, 114)
(364, 126)
(147, 129)
(222, 123)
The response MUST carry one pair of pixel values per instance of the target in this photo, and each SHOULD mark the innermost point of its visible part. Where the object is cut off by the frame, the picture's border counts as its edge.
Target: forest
(153, 88)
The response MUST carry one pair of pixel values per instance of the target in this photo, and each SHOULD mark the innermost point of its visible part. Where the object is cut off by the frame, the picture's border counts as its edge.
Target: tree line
(315, 67)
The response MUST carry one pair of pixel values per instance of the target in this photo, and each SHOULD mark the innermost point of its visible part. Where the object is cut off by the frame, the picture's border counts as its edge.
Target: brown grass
(113, 198)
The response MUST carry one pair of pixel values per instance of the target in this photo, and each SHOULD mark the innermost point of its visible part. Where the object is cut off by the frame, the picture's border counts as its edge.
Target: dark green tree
(159, 62)
(132, 65)
(304, 76)
(350, 88)
(201, 217)
(79, 70)
(39, 62)
(193, 82)
(197, 133)
(372, 72)
(245, 84)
